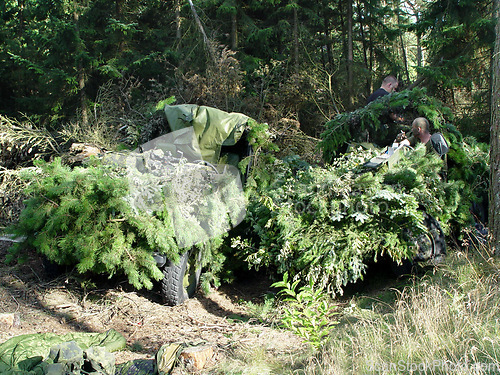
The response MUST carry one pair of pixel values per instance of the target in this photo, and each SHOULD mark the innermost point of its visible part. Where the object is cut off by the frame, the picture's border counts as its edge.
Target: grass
(444, 322)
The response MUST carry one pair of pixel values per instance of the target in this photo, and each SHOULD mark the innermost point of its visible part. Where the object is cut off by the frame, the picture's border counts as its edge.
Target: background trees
(300, 59)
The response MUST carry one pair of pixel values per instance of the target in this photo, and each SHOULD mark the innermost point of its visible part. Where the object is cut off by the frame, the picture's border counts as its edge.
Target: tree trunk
(296, 38)
(122, 44)
(402, 42)
(81, 76)
(370, 47)
(419, 51)
(20, 14)
(178, 19)
(364, 42)
(350, 54)
(494, 199)
(210, 47)
(415, 7)
(329, 53)
(234, 32)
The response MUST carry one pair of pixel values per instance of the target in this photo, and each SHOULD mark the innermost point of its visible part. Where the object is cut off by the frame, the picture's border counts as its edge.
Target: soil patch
(65, 304)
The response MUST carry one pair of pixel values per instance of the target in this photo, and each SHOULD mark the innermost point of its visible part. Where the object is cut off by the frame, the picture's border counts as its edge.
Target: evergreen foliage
(85, 217)
(326, 224)
(346, 127)
(458, 36)
(467, 160)
(275, 58)
(79, 217)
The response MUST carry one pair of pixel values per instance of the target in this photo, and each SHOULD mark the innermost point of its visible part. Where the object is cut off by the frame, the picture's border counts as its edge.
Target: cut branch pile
(11, 196)
(20, 143)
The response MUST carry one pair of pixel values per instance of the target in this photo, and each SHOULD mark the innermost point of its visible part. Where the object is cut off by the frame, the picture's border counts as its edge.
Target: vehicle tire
(431, 245)
(180, 280)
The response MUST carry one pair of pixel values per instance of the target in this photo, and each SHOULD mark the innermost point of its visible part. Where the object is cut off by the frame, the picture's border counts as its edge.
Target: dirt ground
(220, 319)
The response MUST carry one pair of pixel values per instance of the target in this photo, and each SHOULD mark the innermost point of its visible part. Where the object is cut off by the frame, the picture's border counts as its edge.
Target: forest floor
(64, 305)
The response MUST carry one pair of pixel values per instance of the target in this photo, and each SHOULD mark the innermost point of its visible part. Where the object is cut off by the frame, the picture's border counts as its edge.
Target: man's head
(390, 84)
(420, 127)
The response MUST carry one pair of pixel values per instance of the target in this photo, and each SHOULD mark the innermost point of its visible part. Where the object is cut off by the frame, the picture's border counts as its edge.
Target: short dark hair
(422, 123)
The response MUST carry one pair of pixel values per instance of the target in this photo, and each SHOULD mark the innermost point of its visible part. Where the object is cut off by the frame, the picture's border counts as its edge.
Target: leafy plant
(79, 217)
(467, 160)
(308, 312)
(84, 217)
(326, 224)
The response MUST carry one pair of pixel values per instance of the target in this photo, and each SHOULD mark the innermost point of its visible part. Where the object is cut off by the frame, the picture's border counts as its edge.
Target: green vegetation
(79, 217)
(308, 311)
(83, 217)
(442, 322)
(267, 59)
(348, 126)
(88, 72)
(467, 160)
(446, 320)
(326, 224)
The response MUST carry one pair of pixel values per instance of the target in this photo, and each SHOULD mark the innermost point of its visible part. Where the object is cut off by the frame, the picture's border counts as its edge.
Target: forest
(99, 73)
(270, 59)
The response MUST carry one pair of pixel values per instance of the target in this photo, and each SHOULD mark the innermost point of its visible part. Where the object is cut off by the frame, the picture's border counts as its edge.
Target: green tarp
(26, 354)
(78, 354)
(213, 128)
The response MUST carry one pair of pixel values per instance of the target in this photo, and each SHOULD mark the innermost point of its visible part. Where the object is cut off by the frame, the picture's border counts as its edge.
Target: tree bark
(198, 22)
(364, 42)
(350, 54)
(82, 81)
(296, 38)
(20, 15)
(234, 32)
(210, 47)
(178, 19)
(402, 42)
(329, 54)
(494, 196)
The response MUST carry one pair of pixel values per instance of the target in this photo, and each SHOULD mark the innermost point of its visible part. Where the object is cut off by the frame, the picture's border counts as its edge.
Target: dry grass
(447, 322)
(11, 195)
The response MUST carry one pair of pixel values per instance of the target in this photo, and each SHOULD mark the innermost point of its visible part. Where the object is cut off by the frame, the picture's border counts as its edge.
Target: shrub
(308, 312)
(467, 159)
(79, 217)
(83, 217)
(327, 224)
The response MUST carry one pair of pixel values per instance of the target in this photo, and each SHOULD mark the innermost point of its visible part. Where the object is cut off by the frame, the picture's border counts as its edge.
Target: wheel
(52, 269)
(431, 245)
(179, 280)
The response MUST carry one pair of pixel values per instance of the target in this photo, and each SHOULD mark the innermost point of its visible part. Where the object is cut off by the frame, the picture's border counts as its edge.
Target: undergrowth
(446, 322)
(443, 322)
